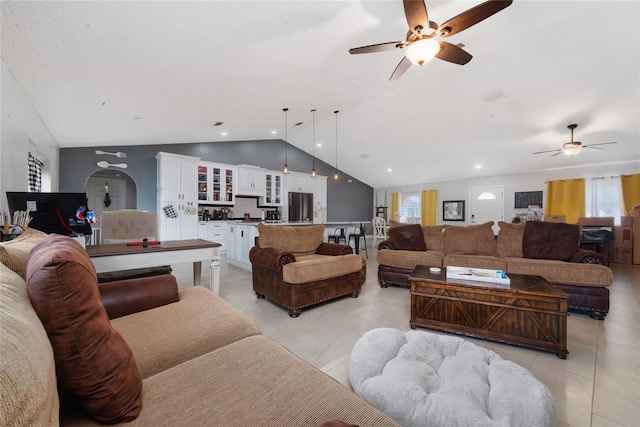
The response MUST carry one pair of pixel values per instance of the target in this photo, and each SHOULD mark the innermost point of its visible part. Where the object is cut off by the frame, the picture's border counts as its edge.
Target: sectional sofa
(76, 353)
(546, 249)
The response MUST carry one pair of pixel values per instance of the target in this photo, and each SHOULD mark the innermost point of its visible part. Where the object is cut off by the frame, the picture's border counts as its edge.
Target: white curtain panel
(604, 197)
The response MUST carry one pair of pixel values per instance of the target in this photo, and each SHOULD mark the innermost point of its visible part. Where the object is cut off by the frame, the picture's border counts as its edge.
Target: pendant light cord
(335, 173)
(313, 148)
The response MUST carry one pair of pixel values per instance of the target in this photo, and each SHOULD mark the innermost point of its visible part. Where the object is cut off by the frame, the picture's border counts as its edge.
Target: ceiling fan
(572, 147)
(422, 38)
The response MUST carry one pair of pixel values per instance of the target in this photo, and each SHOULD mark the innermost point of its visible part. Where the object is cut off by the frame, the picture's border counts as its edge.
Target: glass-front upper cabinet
(216, 183)
(273, 189)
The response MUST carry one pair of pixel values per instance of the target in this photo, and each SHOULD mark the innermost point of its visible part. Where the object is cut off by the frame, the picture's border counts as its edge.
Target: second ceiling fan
(421, 42)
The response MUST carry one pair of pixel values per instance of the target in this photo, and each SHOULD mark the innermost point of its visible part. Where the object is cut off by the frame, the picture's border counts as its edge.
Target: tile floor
(598, 384)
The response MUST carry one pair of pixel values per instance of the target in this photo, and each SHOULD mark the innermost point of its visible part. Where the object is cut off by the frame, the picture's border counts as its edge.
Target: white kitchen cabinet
(273, 189)
(299, 182)
(215, 231)
(241, 240)
(320, 200)
(216, 183)
(251, 181)
(177, 196)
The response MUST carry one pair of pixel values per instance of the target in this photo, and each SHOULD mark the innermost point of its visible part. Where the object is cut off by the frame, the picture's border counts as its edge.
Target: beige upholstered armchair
(128, 225)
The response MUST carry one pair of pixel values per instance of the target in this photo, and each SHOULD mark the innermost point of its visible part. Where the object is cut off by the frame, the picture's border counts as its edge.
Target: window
(410, 210)
(604, 197)
(35, 174)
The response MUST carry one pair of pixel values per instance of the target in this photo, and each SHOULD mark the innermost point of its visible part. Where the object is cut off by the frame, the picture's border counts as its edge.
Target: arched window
(410, 207)
(487, 196)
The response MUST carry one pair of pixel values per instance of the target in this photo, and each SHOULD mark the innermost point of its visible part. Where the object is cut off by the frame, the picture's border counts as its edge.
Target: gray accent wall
(347, 198)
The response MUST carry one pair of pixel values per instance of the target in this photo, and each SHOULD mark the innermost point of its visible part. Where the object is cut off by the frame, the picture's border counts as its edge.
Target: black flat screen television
(59, 213)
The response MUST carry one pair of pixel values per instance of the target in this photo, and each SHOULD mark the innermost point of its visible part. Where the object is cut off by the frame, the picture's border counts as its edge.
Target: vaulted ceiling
(129, 73)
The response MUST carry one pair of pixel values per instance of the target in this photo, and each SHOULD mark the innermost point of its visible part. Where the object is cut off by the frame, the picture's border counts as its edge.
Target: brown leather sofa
(293, 267)
(151, 354)
(546, 249)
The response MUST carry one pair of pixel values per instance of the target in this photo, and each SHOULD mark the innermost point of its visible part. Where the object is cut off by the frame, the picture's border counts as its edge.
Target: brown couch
(550, 250)
(188, 358)
(293, 267)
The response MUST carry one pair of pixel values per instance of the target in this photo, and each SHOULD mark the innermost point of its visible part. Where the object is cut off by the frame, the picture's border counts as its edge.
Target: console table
(120, 256)
(529, 312)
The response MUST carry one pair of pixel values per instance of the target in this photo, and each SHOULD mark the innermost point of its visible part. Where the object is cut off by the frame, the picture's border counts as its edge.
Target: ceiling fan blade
(594, 148)
(452, 53)
(416, 13)
(400, 69)
(472, 16)
(558, 153)
(380, 47)
(548, 151)
(601, 143)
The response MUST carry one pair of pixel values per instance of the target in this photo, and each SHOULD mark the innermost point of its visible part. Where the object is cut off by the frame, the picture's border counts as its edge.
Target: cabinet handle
(242, 233)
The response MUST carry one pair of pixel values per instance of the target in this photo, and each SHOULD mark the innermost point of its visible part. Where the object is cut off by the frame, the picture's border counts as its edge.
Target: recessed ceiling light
(389, 170)
(273, 132)
(224, 133)
(318, 145)
(478, 166)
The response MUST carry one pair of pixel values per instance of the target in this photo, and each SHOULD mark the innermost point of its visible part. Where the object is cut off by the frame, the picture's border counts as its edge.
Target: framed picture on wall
(453, 210)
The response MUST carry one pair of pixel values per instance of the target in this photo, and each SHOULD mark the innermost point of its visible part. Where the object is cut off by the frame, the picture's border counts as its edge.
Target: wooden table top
(169, 245)
(521, 283)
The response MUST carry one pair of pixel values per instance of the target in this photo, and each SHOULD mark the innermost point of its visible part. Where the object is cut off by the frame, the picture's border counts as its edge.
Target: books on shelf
(478, 274)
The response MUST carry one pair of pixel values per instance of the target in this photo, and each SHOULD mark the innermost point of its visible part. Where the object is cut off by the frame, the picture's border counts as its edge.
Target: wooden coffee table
(530, 312)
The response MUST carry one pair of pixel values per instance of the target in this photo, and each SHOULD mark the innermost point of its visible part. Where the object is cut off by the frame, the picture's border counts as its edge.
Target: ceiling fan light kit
(422, 44)
(572, 147)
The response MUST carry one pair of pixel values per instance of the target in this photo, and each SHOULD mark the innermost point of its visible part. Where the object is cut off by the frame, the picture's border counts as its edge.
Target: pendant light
(335, 172)
(313, 149)
(285, 168)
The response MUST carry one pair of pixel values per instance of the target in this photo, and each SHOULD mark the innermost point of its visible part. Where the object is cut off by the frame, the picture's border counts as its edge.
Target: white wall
(459, 189)
(22, 131)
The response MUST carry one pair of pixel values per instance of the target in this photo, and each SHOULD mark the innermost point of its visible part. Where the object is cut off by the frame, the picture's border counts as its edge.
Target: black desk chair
(359, 233)
(339, 233)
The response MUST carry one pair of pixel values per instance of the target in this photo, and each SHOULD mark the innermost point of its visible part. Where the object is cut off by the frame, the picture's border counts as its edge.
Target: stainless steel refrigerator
(300, 207)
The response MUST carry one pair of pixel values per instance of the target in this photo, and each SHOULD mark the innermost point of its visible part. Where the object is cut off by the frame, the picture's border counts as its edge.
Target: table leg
(197, 269)
(214, 281)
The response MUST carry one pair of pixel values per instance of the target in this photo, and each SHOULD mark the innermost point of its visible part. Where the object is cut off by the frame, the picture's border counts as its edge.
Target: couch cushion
(310, 268)
(471, 240)
(433, 237)
(167, 336)
(510, 239)
(14, 253)
(474, 261)
(550, 240)
(407, 237)
(409, 259)
(301, 240)
(252, 382)
(562, 272)
(93, 361)
(28, 378)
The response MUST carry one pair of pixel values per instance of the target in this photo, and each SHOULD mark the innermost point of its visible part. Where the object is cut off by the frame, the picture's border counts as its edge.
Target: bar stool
(339, 233)
(359, 233)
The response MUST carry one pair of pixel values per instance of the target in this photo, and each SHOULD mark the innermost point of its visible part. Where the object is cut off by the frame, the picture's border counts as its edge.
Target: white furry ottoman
(423, 379)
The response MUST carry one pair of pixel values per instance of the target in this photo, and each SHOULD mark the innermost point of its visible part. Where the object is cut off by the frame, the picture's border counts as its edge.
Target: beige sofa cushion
(310, 268)
(510, 239)
(474, 261)
(471, 240)
(252, 382)
(14, 253)
(433, 237)
(562, 272)
(27, 380)
(172, 334)
(301, 240)
(409, 259)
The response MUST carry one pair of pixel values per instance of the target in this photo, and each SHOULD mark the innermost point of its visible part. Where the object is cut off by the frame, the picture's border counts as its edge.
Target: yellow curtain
(394, 206)
(630, 192)
(566, 197)
(428, 207)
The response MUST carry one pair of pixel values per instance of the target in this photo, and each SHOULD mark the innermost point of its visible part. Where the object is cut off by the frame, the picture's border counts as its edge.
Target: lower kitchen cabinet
(215, 232)
(241, 239)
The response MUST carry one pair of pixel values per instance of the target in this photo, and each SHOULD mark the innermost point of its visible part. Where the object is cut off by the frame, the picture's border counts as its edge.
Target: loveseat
(165, 357)
(294, 267)
(546, 249)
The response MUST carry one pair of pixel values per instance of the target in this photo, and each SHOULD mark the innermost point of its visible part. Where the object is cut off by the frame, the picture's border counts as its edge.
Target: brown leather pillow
(407, 237)
(550, 240)
(93, 361)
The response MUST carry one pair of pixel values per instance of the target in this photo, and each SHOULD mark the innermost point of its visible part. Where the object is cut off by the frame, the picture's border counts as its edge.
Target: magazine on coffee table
(478, 275)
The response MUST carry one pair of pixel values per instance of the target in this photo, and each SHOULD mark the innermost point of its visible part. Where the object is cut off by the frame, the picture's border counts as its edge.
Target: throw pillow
(470, 240)
(433, 237)
(550, 240)
(408, 237)
(93, 361)
(510, 239)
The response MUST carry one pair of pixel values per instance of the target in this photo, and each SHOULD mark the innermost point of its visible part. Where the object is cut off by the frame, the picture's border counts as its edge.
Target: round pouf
(424, 379)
